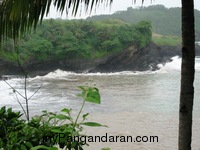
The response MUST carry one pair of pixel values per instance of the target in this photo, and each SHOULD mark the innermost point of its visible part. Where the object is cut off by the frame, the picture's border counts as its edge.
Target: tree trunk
(187, 76)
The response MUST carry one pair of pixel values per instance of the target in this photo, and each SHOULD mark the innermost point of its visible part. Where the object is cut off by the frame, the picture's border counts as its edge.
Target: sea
(133, 104)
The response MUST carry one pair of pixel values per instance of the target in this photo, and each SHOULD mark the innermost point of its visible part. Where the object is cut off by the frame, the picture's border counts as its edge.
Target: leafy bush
(56, 39)
(42, 132)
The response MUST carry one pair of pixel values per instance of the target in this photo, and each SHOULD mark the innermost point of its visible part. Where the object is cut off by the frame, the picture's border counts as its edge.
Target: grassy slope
(166, 40)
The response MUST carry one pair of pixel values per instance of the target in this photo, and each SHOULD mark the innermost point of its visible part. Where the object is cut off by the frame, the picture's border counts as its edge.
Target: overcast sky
(122, 5)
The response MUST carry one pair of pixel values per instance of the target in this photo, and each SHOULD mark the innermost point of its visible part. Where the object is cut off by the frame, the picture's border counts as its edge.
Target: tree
(19, 16)
(187, 75)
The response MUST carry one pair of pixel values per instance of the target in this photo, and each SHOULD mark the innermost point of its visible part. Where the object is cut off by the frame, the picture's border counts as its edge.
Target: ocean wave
(60, 74)
(175, 64)
(57, 74)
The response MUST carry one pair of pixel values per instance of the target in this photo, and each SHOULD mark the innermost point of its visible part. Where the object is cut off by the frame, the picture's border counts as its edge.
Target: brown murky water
(142, 124)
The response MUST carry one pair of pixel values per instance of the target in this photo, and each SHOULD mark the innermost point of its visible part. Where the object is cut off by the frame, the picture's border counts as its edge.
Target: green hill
(165, 21)
(63, 39)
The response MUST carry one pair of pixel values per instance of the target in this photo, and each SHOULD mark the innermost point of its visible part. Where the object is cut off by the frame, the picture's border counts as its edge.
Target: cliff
(138, 59)
(131, 59)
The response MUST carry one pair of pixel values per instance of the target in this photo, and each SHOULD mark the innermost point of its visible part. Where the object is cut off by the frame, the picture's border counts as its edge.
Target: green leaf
(28, 144)
(93, 124)
(56, 130)
(93, 96)
(44, 147)
(3, 110)
(105, 148)
(22, 147)
(85, 115)
(9, 110)
(62, 117)
(66, 110)
(68, 130)
(74, 144)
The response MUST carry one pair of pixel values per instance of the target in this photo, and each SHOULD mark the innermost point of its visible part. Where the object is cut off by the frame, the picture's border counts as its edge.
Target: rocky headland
(131, 59)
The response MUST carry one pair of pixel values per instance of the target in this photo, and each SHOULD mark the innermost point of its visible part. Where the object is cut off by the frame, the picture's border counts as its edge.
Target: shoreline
(130, 59)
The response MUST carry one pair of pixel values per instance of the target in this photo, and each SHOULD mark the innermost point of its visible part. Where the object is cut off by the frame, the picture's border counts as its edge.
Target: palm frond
(20, 16)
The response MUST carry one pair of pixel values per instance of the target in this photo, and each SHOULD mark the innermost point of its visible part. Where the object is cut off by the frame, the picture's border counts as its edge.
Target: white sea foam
(5, 90)
(57, 74)
(197, 64)
(198, 43)
(10, 98)
(7, 94)
(60, 74)
(175, 65)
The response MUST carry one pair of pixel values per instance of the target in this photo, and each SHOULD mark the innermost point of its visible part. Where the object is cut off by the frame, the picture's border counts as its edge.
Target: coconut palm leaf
(20, 16)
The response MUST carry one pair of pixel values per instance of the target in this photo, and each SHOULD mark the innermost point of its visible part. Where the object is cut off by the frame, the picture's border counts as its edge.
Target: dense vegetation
(44, 131)
(99, 36)
(58, 39)
(165, 21)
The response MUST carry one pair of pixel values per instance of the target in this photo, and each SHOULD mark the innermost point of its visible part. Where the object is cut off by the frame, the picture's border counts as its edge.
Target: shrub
(43, 131)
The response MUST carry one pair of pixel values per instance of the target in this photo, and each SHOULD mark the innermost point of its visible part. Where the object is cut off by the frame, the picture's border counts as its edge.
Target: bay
(133, 103)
